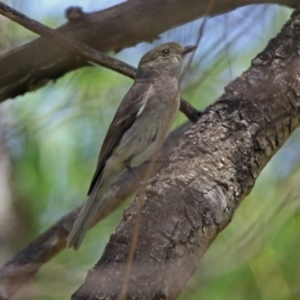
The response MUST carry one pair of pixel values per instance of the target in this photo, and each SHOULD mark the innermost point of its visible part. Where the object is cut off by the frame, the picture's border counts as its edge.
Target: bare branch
(77, 48)
(23, 267)
(84, 51)
(33, 65)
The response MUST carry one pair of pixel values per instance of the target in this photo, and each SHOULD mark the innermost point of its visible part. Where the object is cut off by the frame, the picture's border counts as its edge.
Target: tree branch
(212, 171)
(17, 272)
(84, 51)
(77, 48)
(33, 65)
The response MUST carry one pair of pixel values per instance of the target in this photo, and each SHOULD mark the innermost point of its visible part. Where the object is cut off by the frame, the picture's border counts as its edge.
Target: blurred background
(49, 143)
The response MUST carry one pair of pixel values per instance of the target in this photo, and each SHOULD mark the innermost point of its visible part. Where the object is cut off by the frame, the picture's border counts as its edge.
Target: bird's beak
(188, 49)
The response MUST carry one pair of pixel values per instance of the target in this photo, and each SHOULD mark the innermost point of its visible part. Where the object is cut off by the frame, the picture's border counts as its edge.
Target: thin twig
(140, 202)
(83, 50)
(76, 47)
(199, 37)
(136, 232)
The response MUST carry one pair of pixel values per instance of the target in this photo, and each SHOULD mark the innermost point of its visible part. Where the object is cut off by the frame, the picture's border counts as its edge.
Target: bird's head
(164, 59)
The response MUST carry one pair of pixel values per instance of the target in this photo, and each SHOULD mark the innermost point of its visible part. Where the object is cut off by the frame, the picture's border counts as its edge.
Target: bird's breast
(152, 124)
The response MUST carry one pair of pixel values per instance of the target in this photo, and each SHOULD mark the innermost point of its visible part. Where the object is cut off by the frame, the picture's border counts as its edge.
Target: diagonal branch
(83, 51)
(77, 48)
(33, 65)
(194, 198)
(17, 272)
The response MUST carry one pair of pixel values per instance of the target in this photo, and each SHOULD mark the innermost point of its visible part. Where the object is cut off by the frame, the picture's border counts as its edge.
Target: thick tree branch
(190, 201)
(33, 65)
(23, 266)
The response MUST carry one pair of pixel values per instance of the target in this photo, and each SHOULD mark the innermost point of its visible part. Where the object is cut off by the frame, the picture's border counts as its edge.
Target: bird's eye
(166, 51)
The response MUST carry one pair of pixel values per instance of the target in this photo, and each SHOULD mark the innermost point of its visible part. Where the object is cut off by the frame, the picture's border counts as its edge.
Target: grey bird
(139, 127)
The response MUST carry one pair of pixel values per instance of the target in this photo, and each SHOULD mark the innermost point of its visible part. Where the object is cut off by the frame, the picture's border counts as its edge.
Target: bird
(138, 129)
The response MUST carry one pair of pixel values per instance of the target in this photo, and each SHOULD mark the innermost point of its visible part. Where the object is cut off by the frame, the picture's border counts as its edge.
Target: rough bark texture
(17, 272)
(33, 65)
(190, 201)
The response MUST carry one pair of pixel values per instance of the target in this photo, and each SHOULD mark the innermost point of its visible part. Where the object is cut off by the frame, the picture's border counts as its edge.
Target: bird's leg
(130, 170)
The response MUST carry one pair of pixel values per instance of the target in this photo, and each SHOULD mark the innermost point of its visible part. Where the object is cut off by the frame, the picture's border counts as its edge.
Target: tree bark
(33, 65)
(20, 270)
(184, 207)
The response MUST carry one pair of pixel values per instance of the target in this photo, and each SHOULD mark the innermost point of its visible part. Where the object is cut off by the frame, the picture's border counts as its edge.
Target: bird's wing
(123, 119)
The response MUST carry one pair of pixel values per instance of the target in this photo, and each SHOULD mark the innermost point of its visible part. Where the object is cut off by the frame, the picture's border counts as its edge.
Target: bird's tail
(87, 214)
